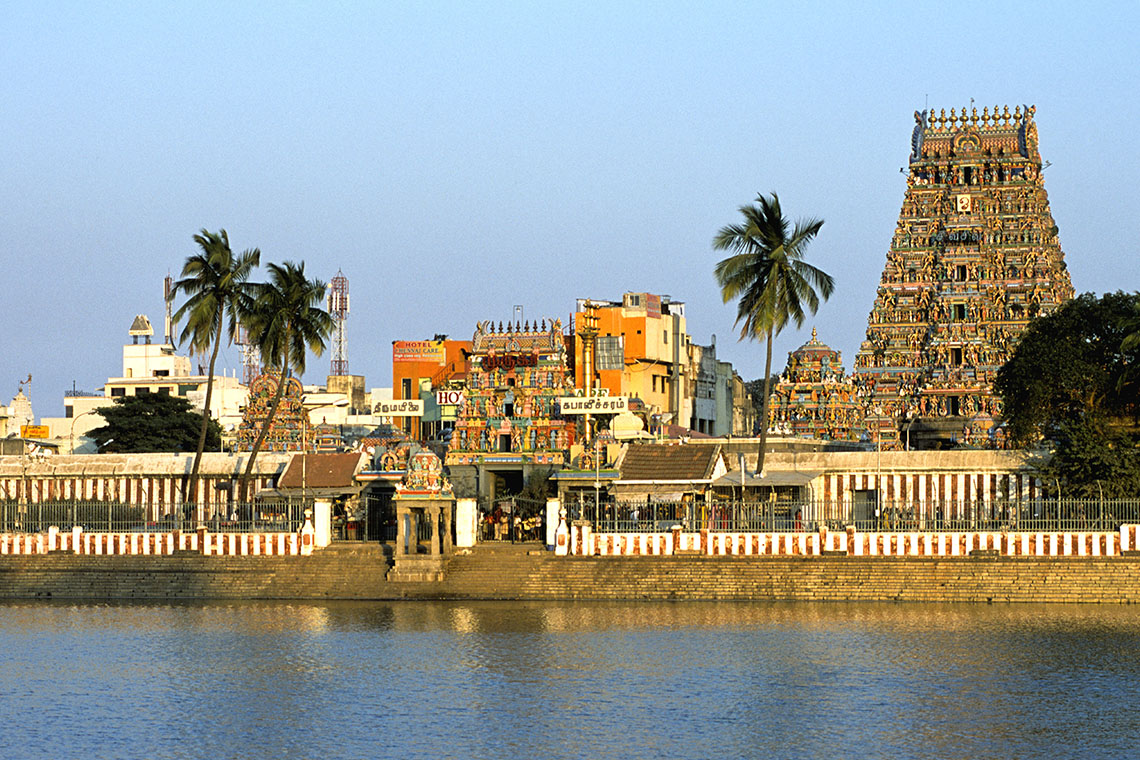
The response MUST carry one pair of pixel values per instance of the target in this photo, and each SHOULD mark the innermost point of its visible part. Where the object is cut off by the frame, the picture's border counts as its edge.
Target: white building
(148, 368)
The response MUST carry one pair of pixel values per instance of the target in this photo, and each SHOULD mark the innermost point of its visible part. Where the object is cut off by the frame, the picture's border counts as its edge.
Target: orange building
(424, 366)
(640, 349)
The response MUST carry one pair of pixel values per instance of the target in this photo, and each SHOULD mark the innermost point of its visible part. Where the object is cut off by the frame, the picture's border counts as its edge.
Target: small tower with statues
(424, 497)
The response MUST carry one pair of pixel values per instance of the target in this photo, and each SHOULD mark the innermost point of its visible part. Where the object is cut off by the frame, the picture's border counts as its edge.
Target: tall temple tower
(974, 257)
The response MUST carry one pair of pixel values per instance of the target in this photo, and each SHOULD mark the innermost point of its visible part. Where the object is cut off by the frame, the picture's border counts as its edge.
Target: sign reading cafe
(593, 405)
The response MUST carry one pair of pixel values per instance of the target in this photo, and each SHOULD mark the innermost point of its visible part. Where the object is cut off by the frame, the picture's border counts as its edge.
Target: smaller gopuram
(814, 397)
(423, 498)
(975, 256)
(509, 423)
(288, 428)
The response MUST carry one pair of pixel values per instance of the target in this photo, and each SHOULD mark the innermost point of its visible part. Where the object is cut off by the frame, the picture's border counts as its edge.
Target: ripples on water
(577, 680)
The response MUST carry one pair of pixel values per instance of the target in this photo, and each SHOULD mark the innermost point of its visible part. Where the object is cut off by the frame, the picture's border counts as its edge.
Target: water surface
(567, 680)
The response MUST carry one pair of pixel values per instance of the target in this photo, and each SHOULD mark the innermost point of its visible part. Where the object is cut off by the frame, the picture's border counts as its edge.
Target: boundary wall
(144, 544)
(584, 542)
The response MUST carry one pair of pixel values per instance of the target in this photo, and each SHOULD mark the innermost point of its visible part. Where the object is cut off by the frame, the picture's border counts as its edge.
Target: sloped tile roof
(658, 462)
(323, 470)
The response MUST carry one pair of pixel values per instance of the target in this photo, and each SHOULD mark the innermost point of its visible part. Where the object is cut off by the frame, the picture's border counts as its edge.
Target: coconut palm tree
(285, 322)
(218, 292)
(770, 279)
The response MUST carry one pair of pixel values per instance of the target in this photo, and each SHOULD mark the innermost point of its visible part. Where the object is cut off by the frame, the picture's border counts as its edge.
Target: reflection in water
(567, 680)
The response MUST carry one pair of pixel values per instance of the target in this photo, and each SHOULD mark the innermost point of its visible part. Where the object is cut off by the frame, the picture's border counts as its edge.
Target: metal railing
(894, 515)
(114, 517)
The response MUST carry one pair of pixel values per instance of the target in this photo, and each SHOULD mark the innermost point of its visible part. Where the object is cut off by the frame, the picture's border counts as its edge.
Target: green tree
(1068, 367)
(1067, 383)
(285, 322)
(152, 423)
(218, 292)
(770, 280)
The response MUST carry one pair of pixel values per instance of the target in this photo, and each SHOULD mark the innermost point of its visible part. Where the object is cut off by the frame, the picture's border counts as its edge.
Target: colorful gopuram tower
(974, 257)
(515, 376)
(285, 434)
(814, 397)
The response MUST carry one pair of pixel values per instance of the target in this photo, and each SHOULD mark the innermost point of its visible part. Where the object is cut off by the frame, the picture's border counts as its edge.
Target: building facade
(509, 425)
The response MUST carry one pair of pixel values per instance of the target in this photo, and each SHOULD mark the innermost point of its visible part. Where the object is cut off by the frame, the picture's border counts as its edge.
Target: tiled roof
(663, 462)
(323, 471)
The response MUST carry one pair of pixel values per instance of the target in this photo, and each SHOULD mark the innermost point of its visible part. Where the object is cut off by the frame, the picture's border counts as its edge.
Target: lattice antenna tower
(250, 356)
(338, 310)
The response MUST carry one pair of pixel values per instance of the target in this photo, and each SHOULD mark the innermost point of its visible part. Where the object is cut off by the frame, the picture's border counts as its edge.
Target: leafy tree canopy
(153, 422)
(1072, 381)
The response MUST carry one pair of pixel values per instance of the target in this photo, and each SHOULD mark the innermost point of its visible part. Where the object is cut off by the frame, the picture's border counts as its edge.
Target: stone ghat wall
(130, 544)
(360, 573)
(583, 542)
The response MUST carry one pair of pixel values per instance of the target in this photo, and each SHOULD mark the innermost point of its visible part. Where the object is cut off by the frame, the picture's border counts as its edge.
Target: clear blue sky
(456, 160)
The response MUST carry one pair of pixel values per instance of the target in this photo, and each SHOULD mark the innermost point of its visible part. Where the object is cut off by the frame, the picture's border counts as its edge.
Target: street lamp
(71, 445)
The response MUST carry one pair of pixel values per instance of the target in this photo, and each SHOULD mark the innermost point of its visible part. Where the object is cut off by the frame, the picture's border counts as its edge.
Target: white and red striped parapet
(584, 542)
(143, 544)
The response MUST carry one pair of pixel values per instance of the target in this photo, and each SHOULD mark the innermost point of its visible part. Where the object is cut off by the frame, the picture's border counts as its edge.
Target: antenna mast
(338, 310)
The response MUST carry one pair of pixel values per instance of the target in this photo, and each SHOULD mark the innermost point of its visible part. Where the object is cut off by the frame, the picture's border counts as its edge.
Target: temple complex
(814, 397)
(288, 428)
(974, 257)
(509, 423)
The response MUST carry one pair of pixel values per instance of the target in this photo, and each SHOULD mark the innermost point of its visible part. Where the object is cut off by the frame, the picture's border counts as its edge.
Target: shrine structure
(288, 428)
(814, 397)
(974, 257)
(509, 422)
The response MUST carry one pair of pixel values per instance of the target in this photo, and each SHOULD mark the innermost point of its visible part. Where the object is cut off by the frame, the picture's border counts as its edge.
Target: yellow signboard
(34, 431)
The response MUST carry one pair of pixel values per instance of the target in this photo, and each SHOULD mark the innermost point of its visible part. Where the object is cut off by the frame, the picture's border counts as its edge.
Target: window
(610, 353)
(508, 409)
(959, 311)
(406, 387)
(162, 373)
(164, 391)
(956, 357)
(954, 406)
(69, 411)
(960, 273)
(116, 392)
(142, 391)
(505, 443)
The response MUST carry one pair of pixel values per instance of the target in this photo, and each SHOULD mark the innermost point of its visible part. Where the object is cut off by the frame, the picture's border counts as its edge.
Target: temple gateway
(974, 258)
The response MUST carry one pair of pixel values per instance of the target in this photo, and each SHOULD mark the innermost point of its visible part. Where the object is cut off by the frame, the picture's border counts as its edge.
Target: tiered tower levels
(974, 257)
(815, 398)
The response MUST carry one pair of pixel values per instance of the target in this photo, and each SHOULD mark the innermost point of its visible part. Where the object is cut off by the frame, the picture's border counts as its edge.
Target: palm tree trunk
(194, 484)
(245, 478)
(764, 405)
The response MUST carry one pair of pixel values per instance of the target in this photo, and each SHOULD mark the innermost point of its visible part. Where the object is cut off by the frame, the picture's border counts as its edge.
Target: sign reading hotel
(593, 405)
(449, 398)
(418, 351)
(406, 407)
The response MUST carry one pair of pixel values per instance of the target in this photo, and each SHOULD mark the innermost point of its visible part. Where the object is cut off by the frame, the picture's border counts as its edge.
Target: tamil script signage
(34, 431)
(593, 404)
(408, 407)
(509, 361)
(418, 351)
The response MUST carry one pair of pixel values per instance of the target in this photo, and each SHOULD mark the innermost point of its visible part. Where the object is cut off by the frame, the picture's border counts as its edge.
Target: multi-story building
(419, 369)
(635, 347)
(974, 258)
(720, 403)
(149, 368)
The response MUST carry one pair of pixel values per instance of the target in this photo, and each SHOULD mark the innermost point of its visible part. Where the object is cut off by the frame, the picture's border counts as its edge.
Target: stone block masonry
(344, 572)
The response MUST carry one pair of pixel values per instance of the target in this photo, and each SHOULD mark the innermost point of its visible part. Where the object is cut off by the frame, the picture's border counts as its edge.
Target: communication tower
(250, 356)
(338, 310)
